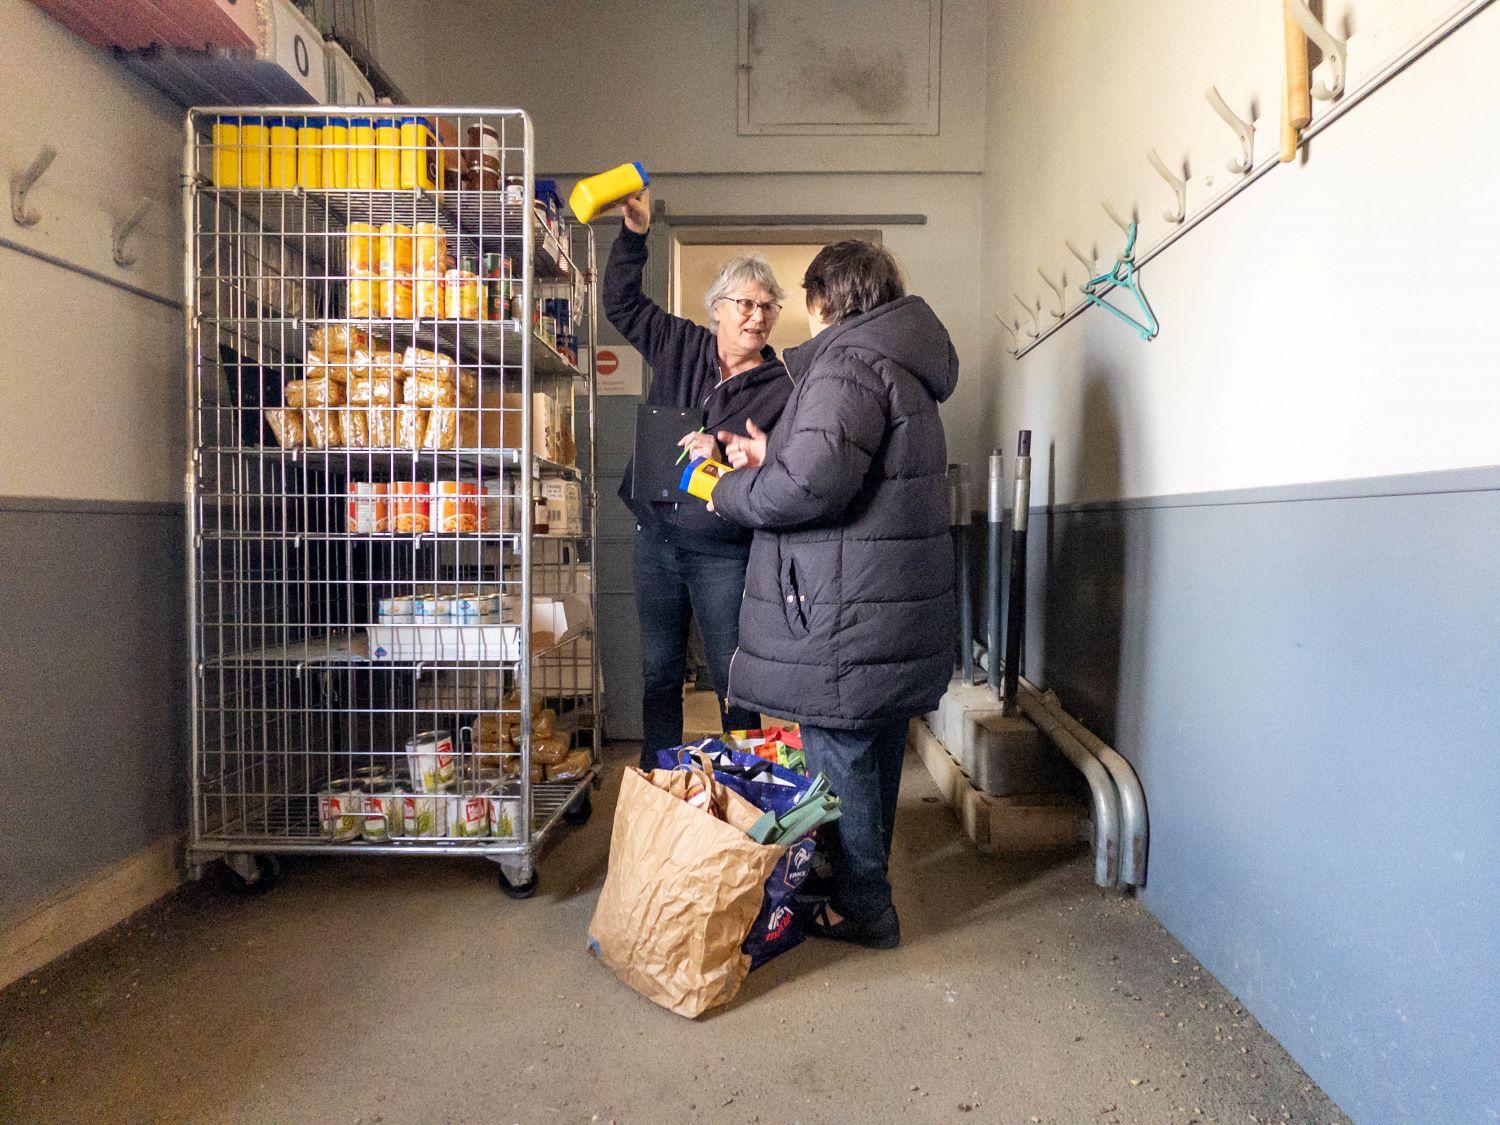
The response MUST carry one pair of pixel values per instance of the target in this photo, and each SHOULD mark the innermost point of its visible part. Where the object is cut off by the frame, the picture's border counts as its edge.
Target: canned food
(429, 757)
(457, 506)
(410, 507)
(468, 816)
(424, 816)
(476, 609)
(370, 774)
(369, 510)
(383, 812)
(340, 808)
(396, 611)
(436, 611)
(504, 808)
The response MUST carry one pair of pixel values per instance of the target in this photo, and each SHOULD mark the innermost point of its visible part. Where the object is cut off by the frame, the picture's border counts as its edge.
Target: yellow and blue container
(362, 153)
(226, 138)
(255, 152)
(335, 152)
(283, 152)
(309, 152)
(701, 475)
(594, 194)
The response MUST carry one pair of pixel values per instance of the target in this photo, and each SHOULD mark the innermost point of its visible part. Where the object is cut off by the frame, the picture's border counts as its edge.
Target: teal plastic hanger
(1123, 274)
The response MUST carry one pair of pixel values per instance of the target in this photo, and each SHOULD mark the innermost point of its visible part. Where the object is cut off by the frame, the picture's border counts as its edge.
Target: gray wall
(92, 672)
(1305, 680)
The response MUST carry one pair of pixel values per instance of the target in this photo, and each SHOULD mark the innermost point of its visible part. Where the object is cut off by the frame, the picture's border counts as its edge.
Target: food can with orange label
(457, 506)
(369, 509)
(411, 510)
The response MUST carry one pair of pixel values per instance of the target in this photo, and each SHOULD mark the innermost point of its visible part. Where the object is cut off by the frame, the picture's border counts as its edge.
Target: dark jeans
(864, 771)
(672, 587)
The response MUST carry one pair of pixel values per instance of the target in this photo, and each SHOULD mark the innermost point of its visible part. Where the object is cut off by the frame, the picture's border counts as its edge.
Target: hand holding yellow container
(701, 475)
(592, 196)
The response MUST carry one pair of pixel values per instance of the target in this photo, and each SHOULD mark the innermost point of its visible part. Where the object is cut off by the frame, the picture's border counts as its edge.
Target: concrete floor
(368, 991)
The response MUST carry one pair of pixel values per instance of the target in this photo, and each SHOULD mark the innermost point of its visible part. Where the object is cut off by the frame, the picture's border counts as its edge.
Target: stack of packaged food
(497, 741)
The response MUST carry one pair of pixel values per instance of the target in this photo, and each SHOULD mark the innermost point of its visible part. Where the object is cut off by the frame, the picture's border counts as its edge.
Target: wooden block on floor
(1035, 822)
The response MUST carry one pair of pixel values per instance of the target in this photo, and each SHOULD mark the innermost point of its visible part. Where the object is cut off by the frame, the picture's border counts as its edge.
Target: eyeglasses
(747, 307)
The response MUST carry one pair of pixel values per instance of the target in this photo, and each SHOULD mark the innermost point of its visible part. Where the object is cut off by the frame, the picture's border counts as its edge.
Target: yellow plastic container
(283, 152)
(255, 152)
(419, 155)
(592, 195)
(226, 162)
(362, 153)
(701, 475)
(309, 152)
(387, 154)
(335, 152)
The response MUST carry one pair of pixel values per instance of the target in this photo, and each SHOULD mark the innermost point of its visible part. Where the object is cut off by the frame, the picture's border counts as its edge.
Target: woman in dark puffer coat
(848, 620)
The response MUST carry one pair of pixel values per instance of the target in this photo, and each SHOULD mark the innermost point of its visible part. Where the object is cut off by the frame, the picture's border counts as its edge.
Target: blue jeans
(672, 587)
(864, 771)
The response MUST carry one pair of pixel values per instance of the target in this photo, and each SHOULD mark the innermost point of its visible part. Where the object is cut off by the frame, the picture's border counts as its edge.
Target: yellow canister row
(369, 154)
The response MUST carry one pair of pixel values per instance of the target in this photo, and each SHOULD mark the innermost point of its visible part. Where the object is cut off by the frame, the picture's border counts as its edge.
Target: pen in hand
(683, 455)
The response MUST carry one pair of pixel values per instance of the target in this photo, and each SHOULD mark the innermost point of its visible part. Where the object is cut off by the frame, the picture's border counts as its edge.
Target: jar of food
(283, 137)
(421, 160)
(309, 152)
(255, 152)
(462, 291)
(363, 257)
(457, 506)
(335, 152)
(515, 190)
(482, 159)
(411, 511)
(394, 291)
(362, 153)
(539, 524)
(387, 154)
(226, 152)
(429, 262)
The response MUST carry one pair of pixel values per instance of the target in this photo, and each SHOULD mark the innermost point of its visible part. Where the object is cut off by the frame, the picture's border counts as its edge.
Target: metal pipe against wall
(992, 569)
(959, 484)
(1105, 798)
(1015, 598)
(1133, 824)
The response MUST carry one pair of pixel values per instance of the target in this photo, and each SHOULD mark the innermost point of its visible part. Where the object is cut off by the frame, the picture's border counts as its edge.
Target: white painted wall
(1326, 324)
(654, 81)
(92, 399)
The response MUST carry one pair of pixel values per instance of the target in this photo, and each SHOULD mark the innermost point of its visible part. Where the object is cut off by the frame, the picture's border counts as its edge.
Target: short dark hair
(852, 277)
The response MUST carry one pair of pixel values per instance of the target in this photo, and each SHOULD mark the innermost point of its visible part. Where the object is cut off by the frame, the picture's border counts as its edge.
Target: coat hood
(905, 331)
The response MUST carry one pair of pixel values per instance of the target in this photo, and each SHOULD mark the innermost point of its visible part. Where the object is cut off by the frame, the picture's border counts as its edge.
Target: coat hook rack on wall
(22, 183)
(124, 229)
(1114, 216)
(1036, 329)
(1060, 291)
(1177, 183)
(1243, 129)
(1010, 330)
(1090, 263)
(1335, 50)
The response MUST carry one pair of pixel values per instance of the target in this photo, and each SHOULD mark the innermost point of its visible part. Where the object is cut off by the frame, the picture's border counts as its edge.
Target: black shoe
(816, 885)
(881, 932)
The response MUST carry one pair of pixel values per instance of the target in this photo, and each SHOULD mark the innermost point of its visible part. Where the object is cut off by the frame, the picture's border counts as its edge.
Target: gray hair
(736, 272)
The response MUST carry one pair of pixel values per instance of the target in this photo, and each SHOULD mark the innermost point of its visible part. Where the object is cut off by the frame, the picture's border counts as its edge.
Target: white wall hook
(1177, 183)
(1036, 329)
(1090, 262)
(23, 182)
(1059, 290)
(1010, 330)
(1114, 216)
(124, 229)
(1243, 129)
(1335, 50)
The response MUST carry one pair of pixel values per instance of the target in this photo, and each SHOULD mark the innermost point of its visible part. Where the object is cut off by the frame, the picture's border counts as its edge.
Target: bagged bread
(287, 426)
(489, 731)
(572, 768)
(512, 768)
(549, 751)
(325, 430)
(544, 722)
(450, 427)
(382, 426)
(411, 427)
(379, 388)
(335, 340)
(424, 390)
(439, 368)
(313, 392)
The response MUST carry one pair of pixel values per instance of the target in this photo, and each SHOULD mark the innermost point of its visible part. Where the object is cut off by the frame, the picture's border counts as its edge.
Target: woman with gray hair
(689, 562)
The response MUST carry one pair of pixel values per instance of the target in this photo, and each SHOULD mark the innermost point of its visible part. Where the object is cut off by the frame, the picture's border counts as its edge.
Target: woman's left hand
(701, 445)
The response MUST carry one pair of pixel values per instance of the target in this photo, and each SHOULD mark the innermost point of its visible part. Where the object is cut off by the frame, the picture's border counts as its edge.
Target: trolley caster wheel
(252, 874)
(578, 813)
(518, 890)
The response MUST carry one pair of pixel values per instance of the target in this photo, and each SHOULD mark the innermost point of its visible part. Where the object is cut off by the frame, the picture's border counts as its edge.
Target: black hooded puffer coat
(849, 616)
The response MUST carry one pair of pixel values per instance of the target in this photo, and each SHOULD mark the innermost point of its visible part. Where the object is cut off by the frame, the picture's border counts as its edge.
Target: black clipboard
(657, 473)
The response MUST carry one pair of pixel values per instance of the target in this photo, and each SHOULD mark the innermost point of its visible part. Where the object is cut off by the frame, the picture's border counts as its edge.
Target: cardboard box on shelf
(500, 426)
(564, 506)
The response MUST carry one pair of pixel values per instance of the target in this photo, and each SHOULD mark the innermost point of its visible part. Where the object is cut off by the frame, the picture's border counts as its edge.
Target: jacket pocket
(793, 600)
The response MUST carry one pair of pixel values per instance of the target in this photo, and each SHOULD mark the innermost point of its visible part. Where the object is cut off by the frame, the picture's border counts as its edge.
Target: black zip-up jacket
(684, 359)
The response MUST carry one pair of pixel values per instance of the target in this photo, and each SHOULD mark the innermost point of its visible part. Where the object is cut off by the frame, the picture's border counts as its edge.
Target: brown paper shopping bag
(682, 891)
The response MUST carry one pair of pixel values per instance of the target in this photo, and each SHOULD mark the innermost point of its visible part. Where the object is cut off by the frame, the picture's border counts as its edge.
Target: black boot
(881, 932)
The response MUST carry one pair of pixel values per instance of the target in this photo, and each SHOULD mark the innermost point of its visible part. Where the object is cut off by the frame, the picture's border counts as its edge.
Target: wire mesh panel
(391, 484)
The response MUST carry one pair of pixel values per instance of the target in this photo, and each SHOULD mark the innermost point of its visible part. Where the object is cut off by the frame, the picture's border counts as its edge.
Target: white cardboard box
(347, 84)
(288, 38)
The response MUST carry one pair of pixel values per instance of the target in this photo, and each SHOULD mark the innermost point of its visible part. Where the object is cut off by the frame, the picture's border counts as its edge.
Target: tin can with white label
(383, 812)
(396, 611)
(340, 809)
(429, 757)
(424, 816)
(468, 816)
(436, 611)
(504, 801)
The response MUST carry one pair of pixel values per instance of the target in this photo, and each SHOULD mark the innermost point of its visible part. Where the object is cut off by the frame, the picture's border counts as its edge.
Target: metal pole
(959, 486)
(1015, 613)
(992, 568)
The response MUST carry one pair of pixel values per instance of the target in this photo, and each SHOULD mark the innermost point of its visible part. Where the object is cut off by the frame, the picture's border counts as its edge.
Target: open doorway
(699, 253)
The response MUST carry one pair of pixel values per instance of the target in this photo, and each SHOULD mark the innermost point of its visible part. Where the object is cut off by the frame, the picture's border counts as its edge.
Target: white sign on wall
(620, 370)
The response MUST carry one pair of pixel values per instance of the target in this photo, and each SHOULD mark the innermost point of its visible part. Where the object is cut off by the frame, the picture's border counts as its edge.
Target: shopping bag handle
(702, 765)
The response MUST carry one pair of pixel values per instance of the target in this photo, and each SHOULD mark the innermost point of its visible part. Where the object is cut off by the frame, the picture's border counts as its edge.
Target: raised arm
(658, 335)
(836, 431)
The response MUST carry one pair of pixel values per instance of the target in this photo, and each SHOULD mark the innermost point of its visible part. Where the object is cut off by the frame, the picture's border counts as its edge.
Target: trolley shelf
(341, 649)
(484, 344)
(478, 219)
(394, 464)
